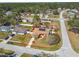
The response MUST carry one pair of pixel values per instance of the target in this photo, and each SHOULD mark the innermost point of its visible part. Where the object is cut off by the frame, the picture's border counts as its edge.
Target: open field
(74, 39)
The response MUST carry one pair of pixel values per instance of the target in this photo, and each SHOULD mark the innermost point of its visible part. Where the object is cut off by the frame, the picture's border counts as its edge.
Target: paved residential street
(66, 49)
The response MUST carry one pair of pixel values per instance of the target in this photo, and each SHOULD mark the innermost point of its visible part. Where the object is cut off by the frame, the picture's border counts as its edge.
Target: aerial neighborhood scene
(39, 29)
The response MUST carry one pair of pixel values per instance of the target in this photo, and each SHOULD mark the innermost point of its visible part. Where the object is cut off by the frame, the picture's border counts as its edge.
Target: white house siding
(23, 20)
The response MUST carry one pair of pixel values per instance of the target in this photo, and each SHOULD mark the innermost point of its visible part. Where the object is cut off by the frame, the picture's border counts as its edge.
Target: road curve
(66, 49)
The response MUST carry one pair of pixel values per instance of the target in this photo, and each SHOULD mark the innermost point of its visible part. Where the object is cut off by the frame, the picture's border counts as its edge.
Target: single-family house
(74, 10)
(45, 20)
(37, 32)
(9, 13)
(42, 28)
(27, 19)
(71, 14)
(5, 28)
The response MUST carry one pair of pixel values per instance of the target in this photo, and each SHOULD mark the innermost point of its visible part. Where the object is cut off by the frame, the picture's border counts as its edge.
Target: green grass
(19, 44)
(4, 34)
(22, 38)
(1, 40)
(26, 55)
(50, 48)
(25, 23)
(76, 49)
(4, 51)
(27, 27)
(53, 16)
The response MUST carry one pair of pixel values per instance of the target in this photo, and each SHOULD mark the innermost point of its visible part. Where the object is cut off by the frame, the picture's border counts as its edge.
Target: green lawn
(4, 34)
(1, 40)
(26, 55)
(5, 52)
(50, 48)
(25, 23)
(46, 47)
(18, 44)
(53, 16)
(27, 27)
(22, 38)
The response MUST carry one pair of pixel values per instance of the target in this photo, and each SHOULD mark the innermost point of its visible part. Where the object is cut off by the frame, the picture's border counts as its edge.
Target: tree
(36, 20)
(74, 24)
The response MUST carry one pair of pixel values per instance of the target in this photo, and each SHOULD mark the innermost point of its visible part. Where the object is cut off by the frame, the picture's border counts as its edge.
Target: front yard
(4, 34)
(21, 40)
